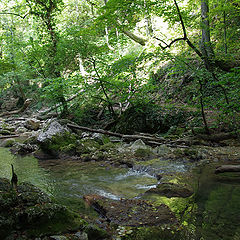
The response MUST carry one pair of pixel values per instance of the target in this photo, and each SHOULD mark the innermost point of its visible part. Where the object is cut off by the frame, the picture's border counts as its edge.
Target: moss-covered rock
(166, 232)
(142, 153)
(171, 190)
(87, 145)
(32, 212)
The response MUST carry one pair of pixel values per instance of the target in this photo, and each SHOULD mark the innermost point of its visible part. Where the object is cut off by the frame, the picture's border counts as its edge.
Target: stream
(216, 207)
(67, 181)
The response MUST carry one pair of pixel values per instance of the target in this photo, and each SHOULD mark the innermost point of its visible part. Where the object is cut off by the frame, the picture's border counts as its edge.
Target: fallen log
(147, 139)
(15, 119)
(9, 136)
(216, 137)
(227, 168)
(22, 109)
(124, 137)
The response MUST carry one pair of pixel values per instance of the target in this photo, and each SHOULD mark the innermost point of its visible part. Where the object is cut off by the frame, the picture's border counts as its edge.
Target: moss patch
(31, 211)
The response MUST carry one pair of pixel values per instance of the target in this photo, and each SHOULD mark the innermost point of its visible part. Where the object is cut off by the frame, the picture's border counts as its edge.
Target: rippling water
(216, 212)
(68, 181)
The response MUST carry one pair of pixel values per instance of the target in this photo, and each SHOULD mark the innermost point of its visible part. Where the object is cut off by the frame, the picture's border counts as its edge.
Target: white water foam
(133, 173)
(108, 195)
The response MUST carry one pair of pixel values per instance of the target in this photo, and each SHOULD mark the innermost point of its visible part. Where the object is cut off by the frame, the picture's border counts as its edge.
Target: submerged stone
(171, 190)
(131, 212)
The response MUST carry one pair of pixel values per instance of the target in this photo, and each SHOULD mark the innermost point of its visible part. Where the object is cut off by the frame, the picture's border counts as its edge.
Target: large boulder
(54, 128)
(56, 138)
(31, 212)
(131, 212)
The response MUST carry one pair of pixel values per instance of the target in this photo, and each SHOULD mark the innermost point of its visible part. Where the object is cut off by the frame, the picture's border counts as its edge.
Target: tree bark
(134, 37)
(207, 50)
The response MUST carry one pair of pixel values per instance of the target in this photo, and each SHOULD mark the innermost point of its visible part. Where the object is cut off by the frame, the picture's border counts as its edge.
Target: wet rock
(81, 236)
(30, 211)
(158, 176)
(171, 190)
(131, 212)
(41, 155)
(23, 149)
(32, 124)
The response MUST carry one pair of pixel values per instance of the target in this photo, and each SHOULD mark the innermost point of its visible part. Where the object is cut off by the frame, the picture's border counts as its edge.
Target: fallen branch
(147, 139)
(22, 109)
(216, 137)
(227, 168)
(9, 136)
(15, 119)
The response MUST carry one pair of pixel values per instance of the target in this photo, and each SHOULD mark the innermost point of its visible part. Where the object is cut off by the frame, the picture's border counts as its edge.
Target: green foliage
(64, 47)
(150, 118)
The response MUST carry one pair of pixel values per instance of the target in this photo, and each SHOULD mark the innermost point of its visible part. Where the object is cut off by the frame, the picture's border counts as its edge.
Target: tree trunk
(207, 50)
(134, 37)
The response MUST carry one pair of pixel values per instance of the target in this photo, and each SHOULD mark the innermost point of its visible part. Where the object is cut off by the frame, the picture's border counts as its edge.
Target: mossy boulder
(87, 145)
(171, 190)
(30, 211)
(56, 139)
(141, 152)
(131, 212)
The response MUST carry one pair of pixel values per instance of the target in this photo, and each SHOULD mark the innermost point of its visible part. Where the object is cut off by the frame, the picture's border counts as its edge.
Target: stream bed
(214, 214)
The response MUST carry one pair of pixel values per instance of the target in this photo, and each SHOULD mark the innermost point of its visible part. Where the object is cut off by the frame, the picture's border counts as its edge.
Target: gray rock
(81, 236)
(58, 237)
(138, 144)
(22, 149)
(162, 150)
(53, 129)
(86, 135)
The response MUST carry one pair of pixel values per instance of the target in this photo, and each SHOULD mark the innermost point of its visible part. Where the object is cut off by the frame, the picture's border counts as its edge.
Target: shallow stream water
(216, 206)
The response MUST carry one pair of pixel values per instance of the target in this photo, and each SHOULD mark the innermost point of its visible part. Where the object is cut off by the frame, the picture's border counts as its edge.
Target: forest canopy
(100, 59)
